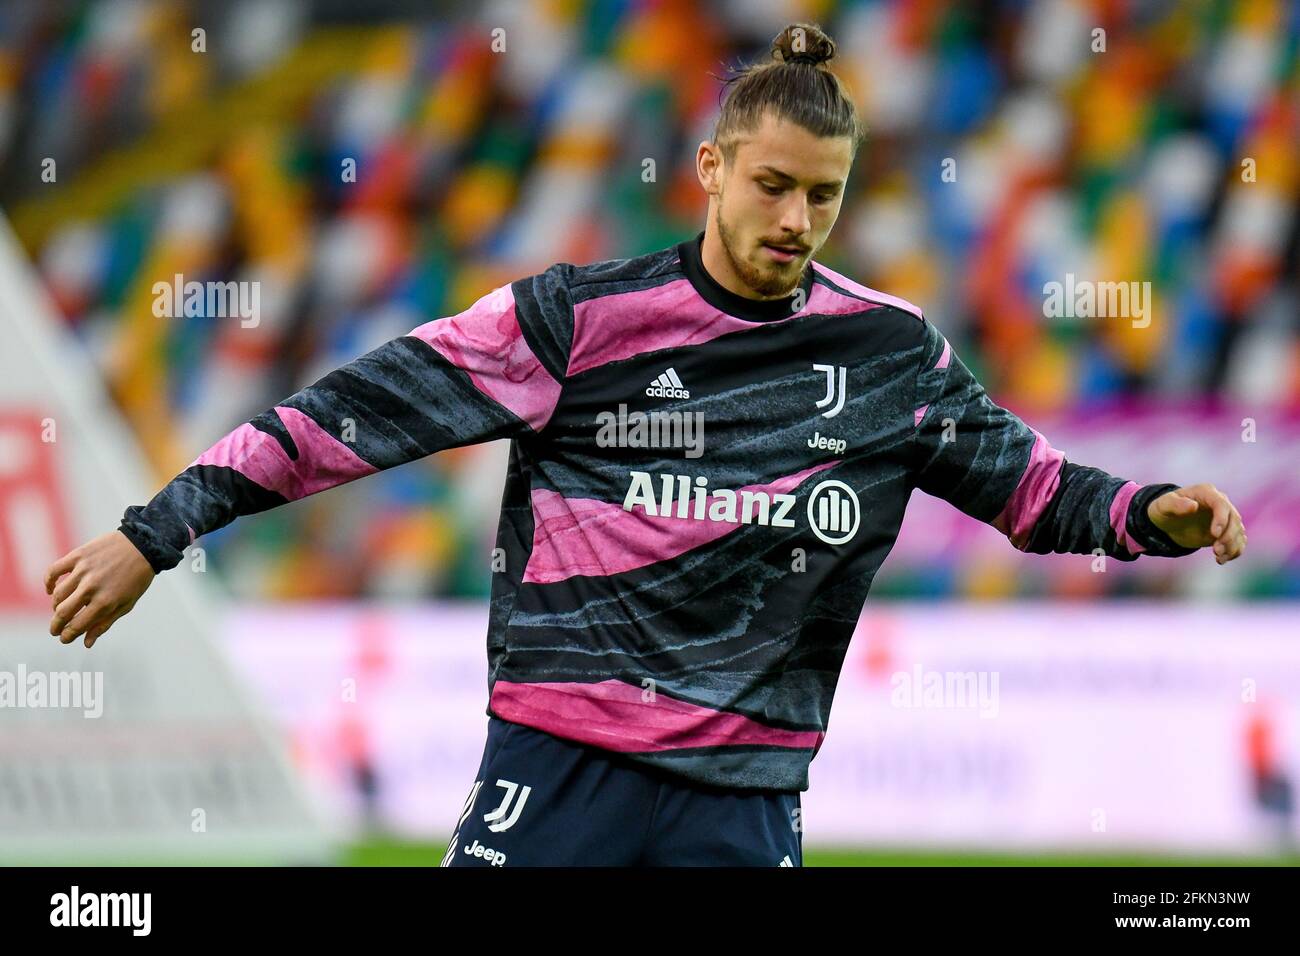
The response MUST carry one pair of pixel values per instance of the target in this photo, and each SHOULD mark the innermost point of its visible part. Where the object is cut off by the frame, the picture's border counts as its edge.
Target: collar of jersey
(722, 298)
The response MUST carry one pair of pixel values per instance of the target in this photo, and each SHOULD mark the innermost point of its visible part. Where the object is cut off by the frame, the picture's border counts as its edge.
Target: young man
(712, 447)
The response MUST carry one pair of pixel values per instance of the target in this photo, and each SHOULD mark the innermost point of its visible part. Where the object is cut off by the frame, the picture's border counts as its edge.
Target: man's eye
(823, 197)
(770, 189)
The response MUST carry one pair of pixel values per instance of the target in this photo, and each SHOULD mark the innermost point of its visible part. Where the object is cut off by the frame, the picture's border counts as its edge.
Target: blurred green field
(380, 852)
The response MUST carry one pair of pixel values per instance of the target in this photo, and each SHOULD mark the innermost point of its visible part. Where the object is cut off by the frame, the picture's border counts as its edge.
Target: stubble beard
(770, 281)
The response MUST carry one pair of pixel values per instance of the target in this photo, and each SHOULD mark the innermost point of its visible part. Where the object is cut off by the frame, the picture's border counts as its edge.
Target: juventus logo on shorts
(497, 820)
(833, 394)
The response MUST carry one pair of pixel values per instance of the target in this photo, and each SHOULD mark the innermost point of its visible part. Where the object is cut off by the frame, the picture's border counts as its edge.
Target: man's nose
(794, 216)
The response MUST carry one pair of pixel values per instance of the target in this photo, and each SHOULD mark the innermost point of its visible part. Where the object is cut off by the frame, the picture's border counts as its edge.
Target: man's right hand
(95, 584)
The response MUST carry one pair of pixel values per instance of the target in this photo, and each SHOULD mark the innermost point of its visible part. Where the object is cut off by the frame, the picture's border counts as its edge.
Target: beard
(769, 279)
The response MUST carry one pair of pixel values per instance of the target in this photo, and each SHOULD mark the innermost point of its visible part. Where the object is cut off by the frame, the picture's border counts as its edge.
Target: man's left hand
(1198, 516)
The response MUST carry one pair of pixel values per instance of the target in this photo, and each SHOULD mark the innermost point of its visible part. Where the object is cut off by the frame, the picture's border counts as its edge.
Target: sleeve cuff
(160, 555)
(1142, 529)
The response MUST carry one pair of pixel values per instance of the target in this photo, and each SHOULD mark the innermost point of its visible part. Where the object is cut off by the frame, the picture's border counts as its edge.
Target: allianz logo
(833, 513)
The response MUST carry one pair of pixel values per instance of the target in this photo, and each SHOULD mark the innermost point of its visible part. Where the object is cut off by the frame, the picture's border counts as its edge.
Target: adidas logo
(668, 385)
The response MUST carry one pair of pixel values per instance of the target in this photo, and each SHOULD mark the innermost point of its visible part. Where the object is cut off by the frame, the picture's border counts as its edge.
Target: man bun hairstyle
(795, 85)
(803, 43)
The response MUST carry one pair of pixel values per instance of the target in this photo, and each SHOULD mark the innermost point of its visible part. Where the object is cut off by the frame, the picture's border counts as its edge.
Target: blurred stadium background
(328, 655)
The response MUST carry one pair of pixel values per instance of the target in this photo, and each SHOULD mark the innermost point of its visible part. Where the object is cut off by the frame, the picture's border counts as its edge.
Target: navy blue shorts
(540, 800)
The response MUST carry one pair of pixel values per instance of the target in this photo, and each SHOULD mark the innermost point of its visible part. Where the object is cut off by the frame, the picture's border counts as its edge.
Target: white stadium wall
(1098, 728)
(145, 748)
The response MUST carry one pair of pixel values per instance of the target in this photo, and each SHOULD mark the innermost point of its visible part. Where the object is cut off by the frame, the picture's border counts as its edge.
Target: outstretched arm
(991, 465)
(459, 380)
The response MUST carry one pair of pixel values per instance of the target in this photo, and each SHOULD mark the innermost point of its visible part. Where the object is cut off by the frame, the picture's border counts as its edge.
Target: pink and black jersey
(701, 489)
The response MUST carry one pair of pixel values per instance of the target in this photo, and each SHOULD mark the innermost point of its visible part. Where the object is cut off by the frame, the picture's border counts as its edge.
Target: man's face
(776, 202)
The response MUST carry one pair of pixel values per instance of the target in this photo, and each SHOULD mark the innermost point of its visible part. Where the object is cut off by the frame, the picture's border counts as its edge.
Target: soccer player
(712, 447)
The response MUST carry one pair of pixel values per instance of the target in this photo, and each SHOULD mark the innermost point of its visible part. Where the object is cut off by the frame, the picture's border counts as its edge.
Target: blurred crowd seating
(1124, 141)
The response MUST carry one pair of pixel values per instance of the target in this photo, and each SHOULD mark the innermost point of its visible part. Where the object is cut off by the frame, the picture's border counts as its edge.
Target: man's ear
(709, 167)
